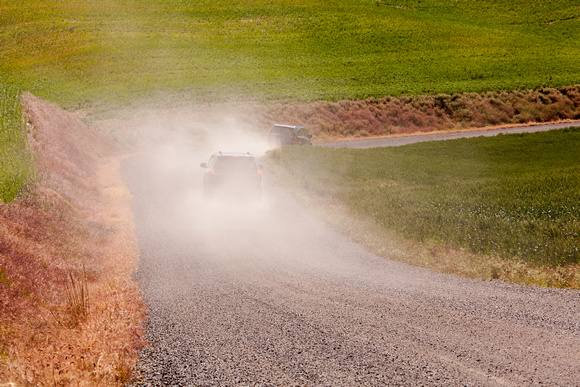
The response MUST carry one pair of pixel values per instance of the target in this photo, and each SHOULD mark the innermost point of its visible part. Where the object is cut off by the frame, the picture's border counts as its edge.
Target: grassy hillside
(15, 162)
(516, 196)
(81, 53)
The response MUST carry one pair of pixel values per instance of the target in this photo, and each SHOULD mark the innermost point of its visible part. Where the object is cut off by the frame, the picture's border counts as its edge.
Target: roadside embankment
(405, 115)
(69, 311)
(348, 119)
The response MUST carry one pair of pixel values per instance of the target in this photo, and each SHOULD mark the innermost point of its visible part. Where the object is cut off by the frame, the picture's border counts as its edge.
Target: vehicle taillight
(294, 140)
(259, 173)
(212, 171)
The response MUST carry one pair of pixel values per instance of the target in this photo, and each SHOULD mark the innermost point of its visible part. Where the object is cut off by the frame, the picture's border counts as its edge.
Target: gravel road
(266, 294)
(404, 140)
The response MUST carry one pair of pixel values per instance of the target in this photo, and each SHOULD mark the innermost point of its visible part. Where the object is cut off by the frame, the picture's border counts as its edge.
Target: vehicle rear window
(235, 163)
(282, 130)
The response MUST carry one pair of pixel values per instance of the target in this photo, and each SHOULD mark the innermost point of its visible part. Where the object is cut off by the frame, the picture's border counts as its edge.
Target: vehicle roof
(288, 126)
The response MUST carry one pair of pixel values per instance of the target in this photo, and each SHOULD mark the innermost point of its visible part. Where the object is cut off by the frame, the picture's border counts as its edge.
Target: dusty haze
(267, 294)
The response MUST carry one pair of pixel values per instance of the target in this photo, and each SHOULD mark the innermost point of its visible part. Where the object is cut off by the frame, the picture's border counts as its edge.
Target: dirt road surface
(266, 294)
(405, 140)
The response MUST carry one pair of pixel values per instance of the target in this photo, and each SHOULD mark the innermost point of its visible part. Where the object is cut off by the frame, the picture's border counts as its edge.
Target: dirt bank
(68, 308)
(340, 120)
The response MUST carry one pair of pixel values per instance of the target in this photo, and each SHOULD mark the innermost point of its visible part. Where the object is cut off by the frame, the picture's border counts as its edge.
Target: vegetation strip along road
(16, 168)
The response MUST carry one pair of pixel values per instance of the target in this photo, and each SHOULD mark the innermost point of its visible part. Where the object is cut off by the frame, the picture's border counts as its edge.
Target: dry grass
(70, 238)
(424, 113)
(375, 117)
(77, 305)
(334, 121)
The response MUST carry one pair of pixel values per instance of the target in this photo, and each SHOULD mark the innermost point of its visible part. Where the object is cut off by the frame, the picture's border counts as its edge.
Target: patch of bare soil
(69, 311)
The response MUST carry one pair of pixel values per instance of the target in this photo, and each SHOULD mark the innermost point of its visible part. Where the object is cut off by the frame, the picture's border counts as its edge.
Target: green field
(82, 53)
(15, 162)
(517, 196)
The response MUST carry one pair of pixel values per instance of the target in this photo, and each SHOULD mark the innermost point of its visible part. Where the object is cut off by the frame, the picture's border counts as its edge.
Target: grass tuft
(4, 280)
(77, 295)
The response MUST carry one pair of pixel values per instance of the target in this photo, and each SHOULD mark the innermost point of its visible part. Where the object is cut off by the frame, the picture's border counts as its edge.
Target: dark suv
(232, 174)
(288, 135)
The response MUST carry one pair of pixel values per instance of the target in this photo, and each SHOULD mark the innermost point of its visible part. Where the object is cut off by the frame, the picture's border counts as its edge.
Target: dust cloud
(170, 145)
(232, 280)
(176, 224)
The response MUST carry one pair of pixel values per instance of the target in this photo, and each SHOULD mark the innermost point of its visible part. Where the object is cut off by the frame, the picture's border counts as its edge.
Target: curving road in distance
(439, 136)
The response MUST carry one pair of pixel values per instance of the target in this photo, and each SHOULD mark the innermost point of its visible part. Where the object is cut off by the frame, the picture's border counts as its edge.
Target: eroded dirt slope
(69, 311)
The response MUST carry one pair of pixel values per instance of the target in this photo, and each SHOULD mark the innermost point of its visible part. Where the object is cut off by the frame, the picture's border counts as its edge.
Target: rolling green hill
(81, 53)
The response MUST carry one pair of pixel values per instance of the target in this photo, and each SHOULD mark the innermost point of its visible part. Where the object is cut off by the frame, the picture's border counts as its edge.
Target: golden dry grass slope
(69, 312)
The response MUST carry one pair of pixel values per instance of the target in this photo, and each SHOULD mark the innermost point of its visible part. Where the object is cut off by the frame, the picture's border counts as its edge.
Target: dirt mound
(68, 309)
